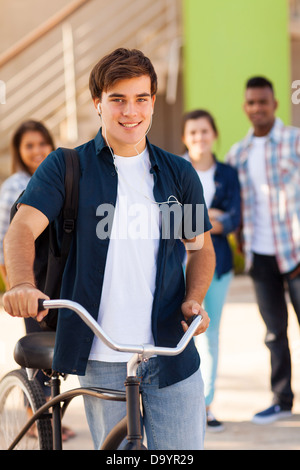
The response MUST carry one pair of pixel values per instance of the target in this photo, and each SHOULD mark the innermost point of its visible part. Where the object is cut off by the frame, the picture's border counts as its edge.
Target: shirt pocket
(289, 170)
(289, 181)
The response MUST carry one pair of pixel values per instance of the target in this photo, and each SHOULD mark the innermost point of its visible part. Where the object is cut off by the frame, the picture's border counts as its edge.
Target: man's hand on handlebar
(191, 308)
(22, 301)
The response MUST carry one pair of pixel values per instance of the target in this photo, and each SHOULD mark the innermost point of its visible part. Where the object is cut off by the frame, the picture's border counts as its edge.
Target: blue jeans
(269, 286)
(173, 416)
(208, 342)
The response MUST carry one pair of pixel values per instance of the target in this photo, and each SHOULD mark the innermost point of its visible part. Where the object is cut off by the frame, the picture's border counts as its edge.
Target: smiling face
(126, 111)
(198, 137)
(260, 106)
(33, 150)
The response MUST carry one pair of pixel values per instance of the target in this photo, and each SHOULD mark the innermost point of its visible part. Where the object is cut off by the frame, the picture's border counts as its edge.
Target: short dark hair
(118, 65)
(259, 82)
(197, 114)
(27, 126)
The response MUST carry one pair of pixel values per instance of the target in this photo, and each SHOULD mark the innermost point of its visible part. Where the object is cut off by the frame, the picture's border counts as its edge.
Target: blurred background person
(267, 160)
(222, 196)
(30, 145)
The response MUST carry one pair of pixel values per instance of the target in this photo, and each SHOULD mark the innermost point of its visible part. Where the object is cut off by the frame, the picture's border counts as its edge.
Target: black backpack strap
(56, 258)
(70, 208)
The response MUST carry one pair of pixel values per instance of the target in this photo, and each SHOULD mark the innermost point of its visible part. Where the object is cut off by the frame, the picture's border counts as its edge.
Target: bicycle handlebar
(146, 350)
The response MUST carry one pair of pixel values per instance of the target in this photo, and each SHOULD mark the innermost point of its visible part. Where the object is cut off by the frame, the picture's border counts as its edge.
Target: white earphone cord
(135, 148)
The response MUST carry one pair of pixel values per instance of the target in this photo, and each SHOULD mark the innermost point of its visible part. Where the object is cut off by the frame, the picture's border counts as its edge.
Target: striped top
(9, 192)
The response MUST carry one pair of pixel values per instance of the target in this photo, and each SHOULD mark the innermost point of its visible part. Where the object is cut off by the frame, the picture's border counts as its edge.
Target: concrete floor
(242, 385)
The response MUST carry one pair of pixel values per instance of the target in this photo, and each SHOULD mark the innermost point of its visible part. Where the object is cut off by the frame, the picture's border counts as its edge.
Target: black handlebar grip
(191, 319)
(41, 305)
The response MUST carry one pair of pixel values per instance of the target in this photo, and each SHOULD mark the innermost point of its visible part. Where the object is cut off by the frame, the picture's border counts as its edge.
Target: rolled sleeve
(227, 222)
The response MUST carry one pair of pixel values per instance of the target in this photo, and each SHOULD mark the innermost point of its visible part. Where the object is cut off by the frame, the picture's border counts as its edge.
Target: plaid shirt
(282, 158)
(9, 192)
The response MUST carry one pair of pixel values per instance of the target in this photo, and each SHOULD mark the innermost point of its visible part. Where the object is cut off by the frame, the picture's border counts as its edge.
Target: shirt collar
(276, 131)
(100, 144)
(153, 157)
(274, 134)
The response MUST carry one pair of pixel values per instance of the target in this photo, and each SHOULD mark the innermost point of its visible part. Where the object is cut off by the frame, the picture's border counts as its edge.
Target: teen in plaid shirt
(268, 163)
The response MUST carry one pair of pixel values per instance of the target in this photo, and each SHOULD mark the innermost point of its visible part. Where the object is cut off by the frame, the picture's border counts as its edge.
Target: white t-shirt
(208, 184)
(130, 270)
(262, 240)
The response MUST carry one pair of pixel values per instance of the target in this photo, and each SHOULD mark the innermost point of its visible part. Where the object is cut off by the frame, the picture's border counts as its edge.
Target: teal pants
(208, 342)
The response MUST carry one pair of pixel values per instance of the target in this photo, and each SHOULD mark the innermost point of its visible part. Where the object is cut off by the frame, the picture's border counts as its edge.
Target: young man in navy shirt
(124, 267)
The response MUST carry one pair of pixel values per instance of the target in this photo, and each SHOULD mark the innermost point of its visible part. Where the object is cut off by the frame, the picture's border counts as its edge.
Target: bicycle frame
(54, 403)
(140, 353)
(131, 395)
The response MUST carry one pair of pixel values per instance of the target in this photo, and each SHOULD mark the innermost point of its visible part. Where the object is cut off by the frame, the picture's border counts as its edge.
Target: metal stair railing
(48, 80)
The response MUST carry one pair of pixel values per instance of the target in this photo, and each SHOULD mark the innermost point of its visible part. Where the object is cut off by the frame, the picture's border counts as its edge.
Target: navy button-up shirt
(85, 268)
(226, 198)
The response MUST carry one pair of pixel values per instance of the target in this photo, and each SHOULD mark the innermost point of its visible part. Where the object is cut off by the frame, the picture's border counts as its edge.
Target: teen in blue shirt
(119, 163)
(222, 196)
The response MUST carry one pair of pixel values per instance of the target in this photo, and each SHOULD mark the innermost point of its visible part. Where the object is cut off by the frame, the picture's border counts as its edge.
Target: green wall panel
(225, 43)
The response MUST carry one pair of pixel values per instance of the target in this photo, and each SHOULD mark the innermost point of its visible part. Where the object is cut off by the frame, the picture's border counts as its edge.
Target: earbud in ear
(99, 110)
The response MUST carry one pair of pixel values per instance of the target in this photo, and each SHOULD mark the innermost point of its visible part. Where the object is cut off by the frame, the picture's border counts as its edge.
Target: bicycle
(20, 391)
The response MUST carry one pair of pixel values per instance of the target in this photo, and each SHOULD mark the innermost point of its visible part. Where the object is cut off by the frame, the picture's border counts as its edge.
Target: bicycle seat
(35, 350)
